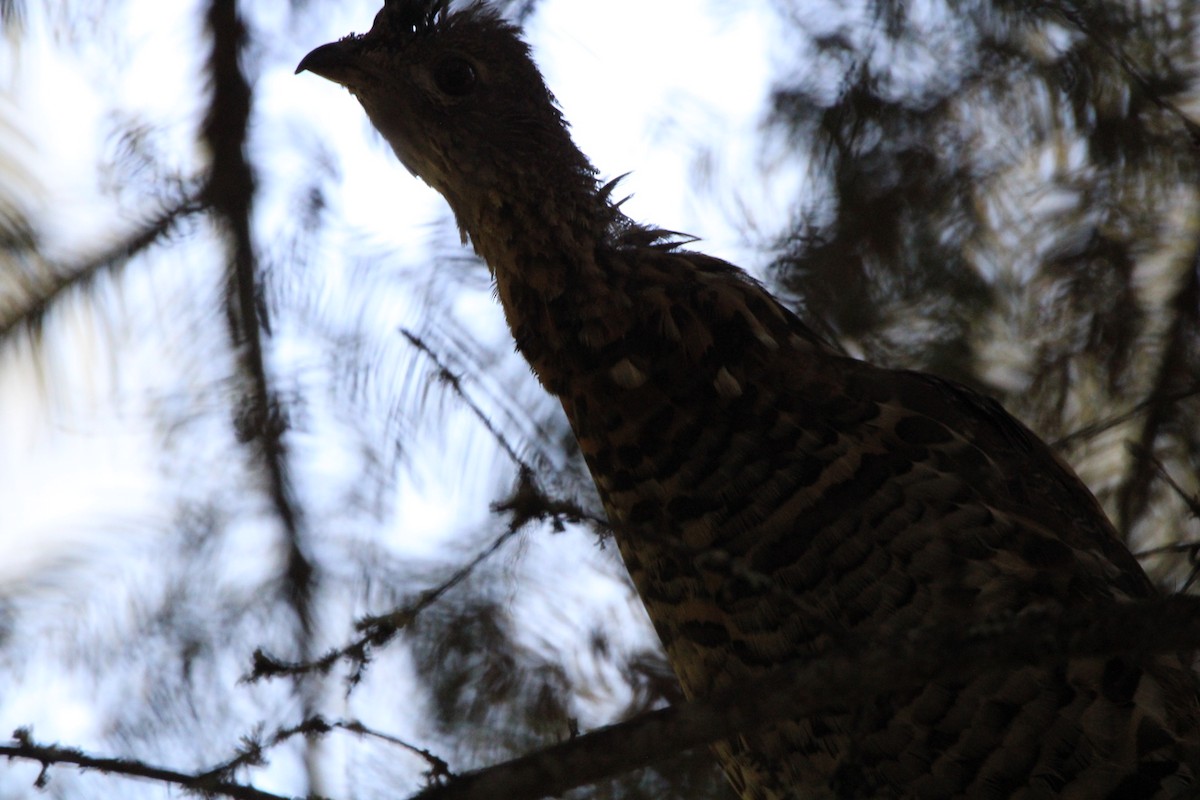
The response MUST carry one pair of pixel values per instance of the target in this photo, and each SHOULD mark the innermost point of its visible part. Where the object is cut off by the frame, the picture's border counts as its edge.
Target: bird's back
(844, 497)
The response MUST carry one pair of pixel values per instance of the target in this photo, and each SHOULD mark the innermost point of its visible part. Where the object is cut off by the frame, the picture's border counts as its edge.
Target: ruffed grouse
(847, 497)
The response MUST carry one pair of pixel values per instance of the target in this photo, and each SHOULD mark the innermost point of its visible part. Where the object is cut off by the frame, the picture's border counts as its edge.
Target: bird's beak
(336, 61)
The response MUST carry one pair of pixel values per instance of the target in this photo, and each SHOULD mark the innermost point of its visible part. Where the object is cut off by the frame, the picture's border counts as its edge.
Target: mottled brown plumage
(836, 495)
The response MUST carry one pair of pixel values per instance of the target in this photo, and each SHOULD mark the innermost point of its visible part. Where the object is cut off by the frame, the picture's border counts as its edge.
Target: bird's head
(458, 97)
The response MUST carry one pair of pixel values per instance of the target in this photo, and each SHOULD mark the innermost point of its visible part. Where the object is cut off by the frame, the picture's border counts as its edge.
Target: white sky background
(84, 480)
(641, 99)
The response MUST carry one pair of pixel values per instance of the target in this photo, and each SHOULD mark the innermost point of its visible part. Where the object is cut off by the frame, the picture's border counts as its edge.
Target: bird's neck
(544, 240)
(536, 225)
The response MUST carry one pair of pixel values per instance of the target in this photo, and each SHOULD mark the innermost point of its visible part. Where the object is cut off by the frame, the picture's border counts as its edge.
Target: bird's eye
(454, 76)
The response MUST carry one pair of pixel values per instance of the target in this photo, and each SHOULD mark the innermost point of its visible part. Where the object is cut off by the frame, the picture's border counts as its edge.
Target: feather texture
(848, 498)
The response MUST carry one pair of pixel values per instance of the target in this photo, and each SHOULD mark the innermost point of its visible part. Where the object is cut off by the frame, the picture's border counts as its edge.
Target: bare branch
(1096, 428)
(438, 768)
(230, 190)
(377, 629)
(261, 419)
(1193, 505)
(452, 380)
(838, 680)
(26, 748)
(850, 674)
(253, 753)
(527, 503)
(1175, 363)
(61, 279)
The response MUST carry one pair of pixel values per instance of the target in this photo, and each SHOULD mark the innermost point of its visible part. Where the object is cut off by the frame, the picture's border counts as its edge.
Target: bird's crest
(414, 17)
(401, 22)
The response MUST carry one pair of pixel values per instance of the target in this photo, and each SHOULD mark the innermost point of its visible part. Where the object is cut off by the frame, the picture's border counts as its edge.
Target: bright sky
(641, 99)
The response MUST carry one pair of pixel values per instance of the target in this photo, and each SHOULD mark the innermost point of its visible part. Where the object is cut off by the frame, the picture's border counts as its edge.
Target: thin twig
(48, 754)
(452, 380)
(377, 630)
(61, 279)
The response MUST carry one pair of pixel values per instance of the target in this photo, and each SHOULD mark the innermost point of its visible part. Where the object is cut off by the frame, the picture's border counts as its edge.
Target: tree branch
(60, 279)
(48, 754)
(1174, 367)
(527, 503)
(377, 629)
(261, 419)
(838, 680)
(851, 674)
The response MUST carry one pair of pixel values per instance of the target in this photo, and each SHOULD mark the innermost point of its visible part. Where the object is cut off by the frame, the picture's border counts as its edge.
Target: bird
(766, 491)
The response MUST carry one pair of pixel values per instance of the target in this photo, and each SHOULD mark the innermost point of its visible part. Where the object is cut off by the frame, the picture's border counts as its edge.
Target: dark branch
(261, 418)
(230, 191)
(846, 677)
(448, 377)
(26, 748)
(529, 503)
(839, 680)
(61, 279)
(1096, 428)
(1192, 502)
(1174, 366)
(377, 630)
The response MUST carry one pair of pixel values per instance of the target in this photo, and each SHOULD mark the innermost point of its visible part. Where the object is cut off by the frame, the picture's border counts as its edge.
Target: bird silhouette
(767, 492)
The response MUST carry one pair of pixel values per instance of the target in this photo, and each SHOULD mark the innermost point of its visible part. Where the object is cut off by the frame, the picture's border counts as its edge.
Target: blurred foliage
(1000, 192)
(1008, 198)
